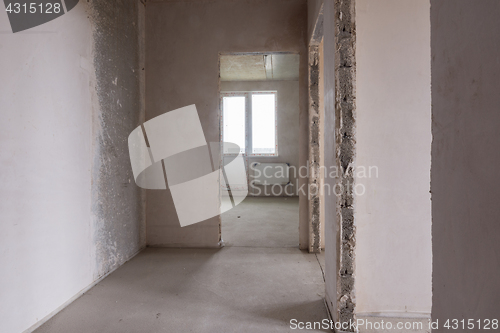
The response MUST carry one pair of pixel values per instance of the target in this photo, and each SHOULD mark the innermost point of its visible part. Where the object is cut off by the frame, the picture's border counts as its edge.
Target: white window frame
(248, 120)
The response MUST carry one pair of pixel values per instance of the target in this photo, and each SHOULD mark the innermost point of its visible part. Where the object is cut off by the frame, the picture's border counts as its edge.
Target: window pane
(233, 118)
(263, 123)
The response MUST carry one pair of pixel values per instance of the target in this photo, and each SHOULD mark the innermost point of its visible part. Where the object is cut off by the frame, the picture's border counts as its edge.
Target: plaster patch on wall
(118, 205)
(345, 105)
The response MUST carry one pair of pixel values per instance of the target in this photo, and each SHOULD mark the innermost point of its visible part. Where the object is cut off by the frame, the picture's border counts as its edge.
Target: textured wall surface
(183, 43)
(118, 205)
(321, 51)
(69, 96)
(345, 139)
(465, 160)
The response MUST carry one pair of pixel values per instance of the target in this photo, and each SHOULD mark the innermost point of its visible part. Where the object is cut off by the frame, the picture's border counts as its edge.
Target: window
(249, 120)
(234, 122)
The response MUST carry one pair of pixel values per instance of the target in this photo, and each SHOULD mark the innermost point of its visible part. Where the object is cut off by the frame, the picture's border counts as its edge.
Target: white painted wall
(49, 109)
(393, 218)
(45, 159)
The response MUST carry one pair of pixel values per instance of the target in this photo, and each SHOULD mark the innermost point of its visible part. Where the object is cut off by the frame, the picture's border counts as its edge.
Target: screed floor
(262, 222)
(233, 289)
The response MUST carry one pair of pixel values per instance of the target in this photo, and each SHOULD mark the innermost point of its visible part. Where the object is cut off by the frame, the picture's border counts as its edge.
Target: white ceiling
(259, 67)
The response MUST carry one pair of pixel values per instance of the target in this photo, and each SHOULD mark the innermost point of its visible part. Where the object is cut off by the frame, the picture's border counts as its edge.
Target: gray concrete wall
(345, 140)
(465, 160)
(288, 131)
(68, 98)
(183, 43)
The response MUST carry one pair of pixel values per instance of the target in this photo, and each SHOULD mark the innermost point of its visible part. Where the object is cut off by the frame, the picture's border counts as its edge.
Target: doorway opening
(259, 112)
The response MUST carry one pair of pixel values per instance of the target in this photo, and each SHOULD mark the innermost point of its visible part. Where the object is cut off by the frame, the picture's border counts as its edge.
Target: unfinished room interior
(249, 166)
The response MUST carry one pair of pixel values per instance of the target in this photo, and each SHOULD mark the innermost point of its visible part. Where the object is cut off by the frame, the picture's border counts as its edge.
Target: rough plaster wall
(393, 217)
(322, 194)
(288, 129)
(315, 124)
(314, 150)
(345, 139)
(465, 159)
(48, 151)
(118, 205)
(183, 43)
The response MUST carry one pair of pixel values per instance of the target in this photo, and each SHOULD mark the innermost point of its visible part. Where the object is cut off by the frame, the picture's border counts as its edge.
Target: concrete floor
(262, 222)
(233, 289)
